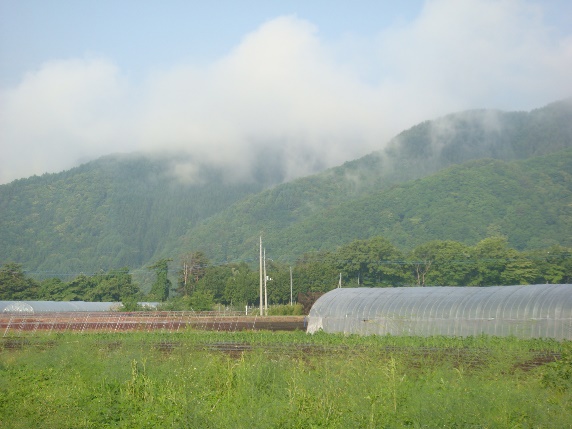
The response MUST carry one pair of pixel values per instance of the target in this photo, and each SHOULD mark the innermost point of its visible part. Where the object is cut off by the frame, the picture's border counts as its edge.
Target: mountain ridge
(399, 215)
(129, 210)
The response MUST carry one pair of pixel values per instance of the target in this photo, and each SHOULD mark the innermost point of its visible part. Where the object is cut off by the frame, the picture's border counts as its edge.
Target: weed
(283, 380)
(558, 375)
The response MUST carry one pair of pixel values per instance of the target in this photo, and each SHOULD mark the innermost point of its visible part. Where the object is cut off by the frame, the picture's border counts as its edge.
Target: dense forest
(527, 201)
(114, 212)
(465, 177)
(375, 262)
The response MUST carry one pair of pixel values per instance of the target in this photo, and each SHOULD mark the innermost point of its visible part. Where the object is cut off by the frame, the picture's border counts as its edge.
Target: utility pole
(290, 285)
(261, 307)
(340, 282)
(265, 289)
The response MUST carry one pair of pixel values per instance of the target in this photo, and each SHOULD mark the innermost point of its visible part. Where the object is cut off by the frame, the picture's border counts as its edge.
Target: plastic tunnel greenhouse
(34, 307)
(533, 311)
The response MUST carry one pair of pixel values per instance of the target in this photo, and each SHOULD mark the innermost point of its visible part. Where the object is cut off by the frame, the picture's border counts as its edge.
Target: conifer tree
(162, 284)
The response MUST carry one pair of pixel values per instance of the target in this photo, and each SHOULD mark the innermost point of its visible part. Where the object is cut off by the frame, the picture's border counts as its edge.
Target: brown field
(11, 324)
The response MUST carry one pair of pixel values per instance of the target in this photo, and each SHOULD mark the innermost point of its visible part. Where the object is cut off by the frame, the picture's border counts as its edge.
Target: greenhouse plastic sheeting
(32, 307)
(532, 311)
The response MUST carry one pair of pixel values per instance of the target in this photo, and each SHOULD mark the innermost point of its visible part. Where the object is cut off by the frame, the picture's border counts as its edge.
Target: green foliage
(558, 375)
(465, 203)
(193, 267)
(441, 263)
(497, 264)
(54, 289)
(14, 284)
(77, 289)
(285, 380)
(316, 272)
(242, 286)
(449, 202)
(554, 265)
(162, 285)
(463, 194)
(130, 304)
(461, 178)
(374, 261)
(200, 300)
(113, 212)
(286, 310)
(112, 286)
(215, 279)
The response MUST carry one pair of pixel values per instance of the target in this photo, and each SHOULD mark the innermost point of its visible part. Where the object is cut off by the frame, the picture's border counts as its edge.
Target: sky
(324, 81)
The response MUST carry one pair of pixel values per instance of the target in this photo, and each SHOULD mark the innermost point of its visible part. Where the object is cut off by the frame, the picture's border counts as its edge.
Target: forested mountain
(528, 201)
(114, 212)
(330, 208)
(460, 177)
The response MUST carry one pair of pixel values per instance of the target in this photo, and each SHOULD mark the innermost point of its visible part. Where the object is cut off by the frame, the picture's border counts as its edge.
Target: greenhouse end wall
(533, 311)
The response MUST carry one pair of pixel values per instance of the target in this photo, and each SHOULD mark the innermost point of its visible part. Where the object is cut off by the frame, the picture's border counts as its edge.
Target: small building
(533, 311)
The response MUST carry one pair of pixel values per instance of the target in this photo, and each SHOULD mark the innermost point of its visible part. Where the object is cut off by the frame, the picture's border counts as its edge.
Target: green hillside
(324, 210)
(427, 183)
(113, 212)
(433, 145)
(529, 201)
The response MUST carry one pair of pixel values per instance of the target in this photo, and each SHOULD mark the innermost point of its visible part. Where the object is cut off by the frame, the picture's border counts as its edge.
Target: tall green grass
(282, 380)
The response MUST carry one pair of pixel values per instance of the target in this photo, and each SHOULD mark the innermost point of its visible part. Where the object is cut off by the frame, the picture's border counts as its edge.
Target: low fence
(17, 324)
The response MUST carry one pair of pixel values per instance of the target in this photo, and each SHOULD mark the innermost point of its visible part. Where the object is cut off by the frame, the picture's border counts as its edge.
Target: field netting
(17, 324)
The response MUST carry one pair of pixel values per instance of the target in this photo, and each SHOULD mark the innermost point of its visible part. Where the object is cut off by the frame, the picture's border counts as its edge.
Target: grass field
(197, 379)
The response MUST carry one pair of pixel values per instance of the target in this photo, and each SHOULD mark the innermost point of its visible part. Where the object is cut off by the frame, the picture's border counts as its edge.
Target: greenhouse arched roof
(32, 307)
(524, 311)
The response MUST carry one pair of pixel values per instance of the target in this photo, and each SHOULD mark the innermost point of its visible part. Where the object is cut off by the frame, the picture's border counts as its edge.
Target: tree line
(110, 286)
(375, 262)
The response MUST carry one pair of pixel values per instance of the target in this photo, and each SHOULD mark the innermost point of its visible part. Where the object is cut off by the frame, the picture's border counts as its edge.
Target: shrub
(286, 310)
(558, 375)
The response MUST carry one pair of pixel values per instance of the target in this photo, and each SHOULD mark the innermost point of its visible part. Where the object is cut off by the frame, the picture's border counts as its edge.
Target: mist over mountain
(117, 211)
(459, 137)
(128, 210)
(280, 213)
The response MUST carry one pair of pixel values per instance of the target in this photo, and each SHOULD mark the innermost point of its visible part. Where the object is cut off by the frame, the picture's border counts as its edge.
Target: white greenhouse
(533, 311)
(35, 307)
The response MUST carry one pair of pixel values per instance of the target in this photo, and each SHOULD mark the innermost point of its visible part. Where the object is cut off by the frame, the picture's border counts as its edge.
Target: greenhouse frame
(532, 311)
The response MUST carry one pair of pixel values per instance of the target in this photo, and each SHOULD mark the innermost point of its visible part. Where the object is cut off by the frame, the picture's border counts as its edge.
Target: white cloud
(480, 53)
(65, 111)
(284, 85)
(277, 87)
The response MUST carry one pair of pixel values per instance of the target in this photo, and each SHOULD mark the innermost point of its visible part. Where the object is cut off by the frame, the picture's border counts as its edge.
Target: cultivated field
(193, 378)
